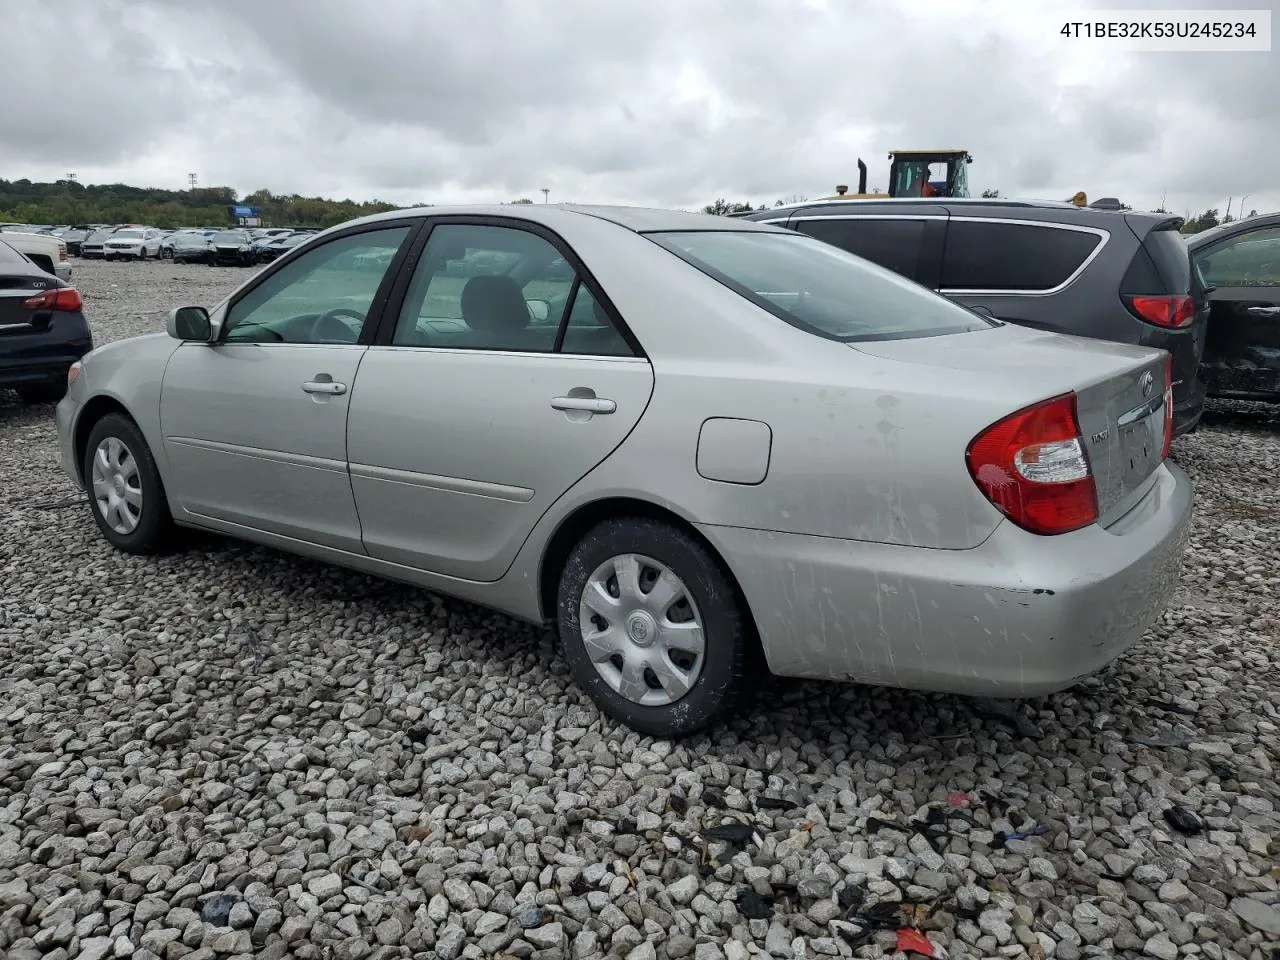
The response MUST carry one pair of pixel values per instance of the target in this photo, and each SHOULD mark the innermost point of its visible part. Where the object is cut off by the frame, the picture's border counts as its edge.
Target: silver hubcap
(642, 630)
(117, 486)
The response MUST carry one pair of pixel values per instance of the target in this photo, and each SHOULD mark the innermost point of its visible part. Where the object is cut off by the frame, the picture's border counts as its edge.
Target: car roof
(1247, 224)
(969, 207)
(637, 219)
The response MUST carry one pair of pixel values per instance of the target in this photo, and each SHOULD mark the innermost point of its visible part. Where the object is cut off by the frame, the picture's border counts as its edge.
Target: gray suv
(1114, 275)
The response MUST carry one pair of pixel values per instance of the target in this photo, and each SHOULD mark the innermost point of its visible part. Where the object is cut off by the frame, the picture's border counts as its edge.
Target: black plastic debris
(1184, 820)
(677, 803)
(1008, 712)
(418, 734)
(217, 909)
(773, 803)
(730, 832)
(850, 898)
(713, 799)
(1001, 837)
(753, 906)
(625, 827)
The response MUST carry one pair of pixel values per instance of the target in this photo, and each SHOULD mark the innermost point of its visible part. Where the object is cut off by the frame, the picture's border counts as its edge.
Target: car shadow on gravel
(829, 716)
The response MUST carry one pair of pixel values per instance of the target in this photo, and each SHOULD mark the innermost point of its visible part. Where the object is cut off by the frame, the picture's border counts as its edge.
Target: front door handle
(1264, 311)
(584, 404)
(329, 387)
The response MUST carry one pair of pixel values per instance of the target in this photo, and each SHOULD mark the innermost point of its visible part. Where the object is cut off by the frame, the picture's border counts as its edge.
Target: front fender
(128, 374)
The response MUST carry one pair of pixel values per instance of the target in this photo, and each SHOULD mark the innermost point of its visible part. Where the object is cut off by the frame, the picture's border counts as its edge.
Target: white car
(47, 252)
(133, 243)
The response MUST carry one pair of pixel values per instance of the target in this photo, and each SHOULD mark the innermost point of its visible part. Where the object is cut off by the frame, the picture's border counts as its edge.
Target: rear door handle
(324, 386)
(1264, 311)
(585, 404)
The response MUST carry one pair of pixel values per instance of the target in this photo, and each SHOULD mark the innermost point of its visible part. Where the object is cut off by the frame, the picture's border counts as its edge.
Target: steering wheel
(329, 327)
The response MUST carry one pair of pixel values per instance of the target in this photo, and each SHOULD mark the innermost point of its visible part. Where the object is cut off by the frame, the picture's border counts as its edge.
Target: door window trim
(1103, 235)
(377, 306)
(385, 332)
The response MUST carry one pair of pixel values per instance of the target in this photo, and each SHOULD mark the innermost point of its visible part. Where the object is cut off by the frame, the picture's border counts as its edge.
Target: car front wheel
(652, 628)
(124, 487)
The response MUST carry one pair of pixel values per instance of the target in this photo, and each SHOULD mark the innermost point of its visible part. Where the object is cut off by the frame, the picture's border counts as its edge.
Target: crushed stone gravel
(230, 752)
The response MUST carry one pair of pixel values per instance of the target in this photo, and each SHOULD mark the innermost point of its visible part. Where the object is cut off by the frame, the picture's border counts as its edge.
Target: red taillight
(1173, 312)
(1033, 468)
(57, 298)
(1168, 405)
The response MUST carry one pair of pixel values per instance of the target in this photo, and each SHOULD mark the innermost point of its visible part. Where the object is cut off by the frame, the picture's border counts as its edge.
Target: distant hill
(69, 201)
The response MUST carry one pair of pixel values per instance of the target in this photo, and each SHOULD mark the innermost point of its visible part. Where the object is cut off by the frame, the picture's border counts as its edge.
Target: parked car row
(139, 242)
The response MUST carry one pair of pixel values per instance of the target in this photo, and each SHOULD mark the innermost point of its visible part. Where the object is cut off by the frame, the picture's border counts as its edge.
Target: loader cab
(929, 173)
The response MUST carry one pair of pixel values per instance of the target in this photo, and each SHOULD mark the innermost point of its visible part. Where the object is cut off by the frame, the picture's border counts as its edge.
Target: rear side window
(818, 287)
(1012, 256)
(894, 244)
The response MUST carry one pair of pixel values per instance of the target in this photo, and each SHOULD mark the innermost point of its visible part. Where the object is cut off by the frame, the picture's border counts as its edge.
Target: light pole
(546, 194)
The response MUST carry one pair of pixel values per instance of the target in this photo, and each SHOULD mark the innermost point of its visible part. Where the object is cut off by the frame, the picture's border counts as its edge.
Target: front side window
(820, 288)
(323, 296)
(486, 288)
(1246, 260)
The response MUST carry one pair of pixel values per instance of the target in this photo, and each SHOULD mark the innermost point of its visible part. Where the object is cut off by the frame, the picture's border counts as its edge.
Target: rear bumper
(1018, 616)
(1188, 409)
(43, 356)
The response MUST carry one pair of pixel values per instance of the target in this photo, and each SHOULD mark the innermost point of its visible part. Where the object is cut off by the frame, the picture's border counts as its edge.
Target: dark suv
(1107, 274)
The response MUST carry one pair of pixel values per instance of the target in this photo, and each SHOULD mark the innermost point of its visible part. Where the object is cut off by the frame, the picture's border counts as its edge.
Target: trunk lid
(1119, 390)
(15, 290)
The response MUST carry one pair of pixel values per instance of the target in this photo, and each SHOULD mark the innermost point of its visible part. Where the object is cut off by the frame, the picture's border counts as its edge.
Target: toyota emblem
(1148, 382)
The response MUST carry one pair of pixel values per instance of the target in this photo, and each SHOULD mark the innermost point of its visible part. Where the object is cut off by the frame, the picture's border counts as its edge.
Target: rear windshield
(10, 257)
(1169, 251)
(820, 288)
(229, 238)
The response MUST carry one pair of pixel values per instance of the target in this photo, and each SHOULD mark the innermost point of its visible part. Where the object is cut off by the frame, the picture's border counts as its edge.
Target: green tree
(723, 207)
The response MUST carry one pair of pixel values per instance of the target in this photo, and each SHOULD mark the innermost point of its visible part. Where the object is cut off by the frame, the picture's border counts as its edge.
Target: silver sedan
(704, 448)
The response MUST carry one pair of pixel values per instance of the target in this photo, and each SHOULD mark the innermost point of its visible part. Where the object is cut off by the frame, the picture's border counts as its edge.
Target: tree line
(71, 202)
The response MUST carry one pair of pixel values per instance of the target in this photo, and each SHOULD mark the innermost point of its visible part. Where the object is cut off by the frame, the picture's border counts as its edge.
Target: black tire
(155, 528)
(728, 638)
(165, 254)
(41, 392)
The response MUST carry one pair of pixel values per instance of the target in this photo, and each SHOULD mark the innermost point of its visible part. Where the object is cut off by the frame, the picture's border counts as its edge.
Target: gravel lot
(230, 752)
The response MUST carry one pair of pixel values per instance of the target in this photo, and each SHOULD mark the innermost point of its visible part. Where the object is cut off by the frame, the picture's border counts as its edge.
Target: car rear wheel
(652, 628)
(166, 253)
(125, 491)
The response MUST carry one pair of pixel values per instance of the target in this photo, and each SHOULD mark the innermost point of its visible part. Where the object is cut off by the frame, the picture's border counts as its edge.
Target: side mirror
(539, 310)
(190, 323)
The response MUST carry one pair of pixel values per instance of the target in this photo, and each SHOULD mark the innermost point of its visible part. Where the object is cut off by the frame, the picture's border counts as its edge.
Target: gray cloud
(666, 102)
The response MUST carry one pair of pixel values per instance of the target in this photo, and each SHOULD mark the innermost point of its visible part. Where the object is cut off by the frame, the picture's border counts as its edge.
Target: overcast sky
(660, 102)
